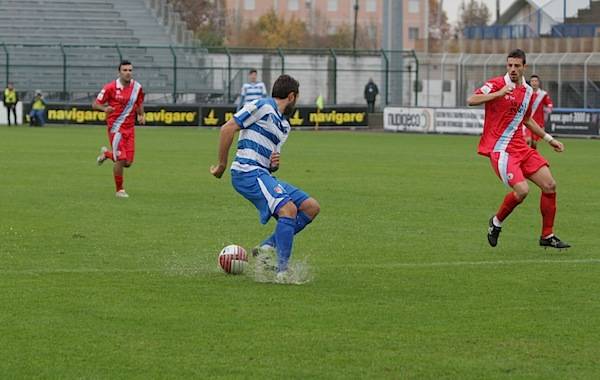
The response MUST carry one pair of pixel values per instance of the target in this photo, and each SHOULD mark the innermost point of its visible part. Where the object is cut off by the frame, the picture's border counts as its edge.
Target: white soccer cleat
(121, 194)
(102, 157)
(282, 277)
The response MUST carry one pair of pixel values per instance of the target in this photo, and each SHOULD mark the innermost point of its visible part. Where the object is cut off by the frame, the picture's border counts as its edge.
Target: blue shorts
(267, 193)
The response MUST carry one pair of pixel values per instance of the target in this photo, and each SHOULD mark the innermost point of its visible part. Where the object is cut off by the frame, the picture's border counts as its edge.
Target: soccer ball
(233, 259)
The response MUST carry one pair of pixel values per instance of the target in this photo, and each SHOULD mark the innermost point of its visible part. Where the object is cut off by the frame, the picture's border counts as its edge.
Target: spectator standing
(10, 100)
(371, 92)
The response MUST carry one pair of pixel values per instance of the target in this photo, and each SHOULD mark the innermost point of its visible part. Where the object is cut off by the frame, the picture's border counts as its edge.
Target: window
(292, 5)
(413, 33)
(332, 5)
(371, 6)
(249, 5)
(413, 6)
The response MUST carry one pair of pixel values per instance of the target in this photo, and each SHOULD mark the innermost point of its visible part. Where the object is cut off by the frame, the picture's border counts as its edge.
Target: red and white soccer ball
(233, 259)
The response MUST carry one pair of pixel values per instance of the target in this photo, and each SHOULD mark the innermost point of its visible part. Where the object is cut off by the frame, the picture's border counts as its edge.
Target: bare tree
(473, 13)
(439, 27)
(207, 18)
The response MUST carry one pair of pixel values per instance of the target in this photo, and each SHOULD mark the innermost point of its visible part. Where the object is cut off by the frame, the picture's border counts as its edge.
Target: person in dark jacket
(371, 92)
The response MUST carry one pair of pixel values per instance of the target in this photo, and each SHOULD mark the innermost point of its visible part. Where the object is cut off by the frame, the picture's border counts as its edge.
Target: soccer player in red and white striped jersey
(508, 102)
(122, 100)
(541, 106)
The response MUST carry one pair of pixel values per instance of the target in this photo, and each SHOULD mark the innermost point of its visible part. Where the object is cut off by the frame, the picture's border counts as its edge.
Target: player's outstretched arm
(477, 99)
(535, 128)
(226, 135)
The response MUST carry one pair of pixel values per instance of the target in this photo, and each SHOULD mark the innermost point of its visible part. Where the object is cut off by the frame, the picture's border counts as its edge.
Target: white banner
(401, 119)
(459, 120)
(3, 114)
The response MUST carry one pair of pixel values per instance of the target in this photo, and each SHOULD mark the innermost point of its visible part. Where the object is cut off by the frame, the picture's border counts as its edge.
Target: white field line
(386, 265)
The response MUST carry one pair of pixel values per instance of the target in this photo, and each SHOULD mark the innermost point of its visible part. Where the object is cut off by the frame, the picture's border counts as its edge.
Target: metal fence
(213, 75)
(447, 80)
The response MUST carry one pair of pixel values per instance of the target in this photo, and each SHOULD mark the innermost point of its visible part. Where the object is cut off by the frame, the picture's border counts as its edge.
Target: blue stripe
(115, 146)
(249, 162)
(258, 129)
(503, 141)
(249, 144)
(503, 167)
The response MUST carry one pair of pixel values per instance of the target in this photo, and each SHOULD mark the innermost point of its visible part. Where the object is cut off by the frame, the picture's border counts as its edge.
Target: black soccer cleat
(553, 242)
(493, 233)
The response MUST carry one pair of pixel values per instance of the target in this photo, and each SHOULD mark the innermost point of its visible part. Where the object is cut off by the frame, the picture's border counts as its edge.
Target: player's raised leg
(104, 155)
(510, 202)
(544, 180)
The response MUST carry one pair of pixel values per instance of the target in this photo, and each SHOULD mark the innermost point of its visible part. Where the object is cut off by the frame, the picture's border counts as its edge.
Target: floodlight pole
(355, 22)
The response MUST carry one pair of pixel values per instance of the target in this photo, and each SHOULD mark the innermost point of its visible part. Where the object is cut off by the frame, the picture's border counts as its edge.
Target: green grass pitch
(405, 285)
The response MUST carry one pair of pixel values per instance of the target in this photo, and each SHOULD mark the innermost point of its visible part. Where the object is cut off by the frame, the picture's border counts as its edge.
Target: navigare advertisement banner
(579, 122)
(459, 120)
(340, 117)
(156, 115)
(330, 117)
(402, 119)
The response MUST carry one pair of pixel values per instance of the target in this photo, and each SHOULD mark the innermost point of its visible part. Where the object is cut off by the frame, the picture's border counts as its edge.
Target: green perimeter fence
(209, 75)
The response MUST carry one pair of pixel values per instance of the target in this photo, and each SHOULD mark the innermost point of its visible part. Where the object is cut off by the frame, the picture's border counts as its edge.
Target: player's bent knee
(310, 207)
(549, 187)
(288, 210)
(522, 192)
(315, 207)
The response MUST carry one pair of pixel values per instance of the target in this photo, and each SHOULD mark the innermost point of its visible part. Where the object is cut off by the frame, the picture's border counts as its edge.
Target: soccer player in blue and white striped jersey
(252, 90)
(263, 130)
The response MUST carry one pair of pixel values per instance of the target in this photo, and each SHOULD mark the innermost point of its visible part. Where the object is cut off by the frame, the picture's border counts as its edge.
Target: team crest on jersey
(278, 189)
(510, 176)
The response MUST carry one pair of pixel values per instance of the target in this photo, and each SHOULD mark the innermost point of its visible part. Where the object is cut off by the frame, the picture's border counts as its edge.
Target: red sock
(509, 204)
(119, 182)
(548, 209)
(108, 154)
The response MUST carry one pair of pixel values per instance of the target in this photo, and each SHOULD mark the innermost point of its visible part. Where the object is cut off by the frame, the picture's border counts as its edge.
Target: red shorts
(513, 169)
(122, 146)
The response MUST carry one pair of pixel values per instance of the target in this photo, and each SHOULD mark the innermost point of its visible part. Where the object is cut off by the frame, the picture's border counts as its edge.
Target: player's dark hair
(124, 63)
(517, 53)
(534, 76)
(284, 85)
(252, 71)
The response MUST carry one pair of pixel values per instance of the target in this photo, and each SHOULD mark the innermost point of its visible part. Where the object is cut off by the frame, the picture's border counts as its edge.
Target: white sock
(496, 222)
(549, 236)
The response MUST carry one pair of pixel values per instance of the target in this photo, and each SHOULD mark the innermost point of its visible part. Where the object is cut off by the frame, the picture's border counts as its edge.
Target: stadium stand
(75, 45)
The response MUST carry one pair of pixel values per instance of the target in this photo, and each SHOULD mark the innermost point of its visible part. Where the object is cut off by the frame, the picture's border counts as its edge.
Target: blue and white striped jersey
(252, 91)
(263, 131)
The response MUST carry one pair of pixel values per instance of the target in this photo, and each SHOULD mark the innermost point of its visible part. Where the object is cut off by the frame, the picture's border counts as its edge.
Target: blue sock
(284, 239)
(302, 220)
